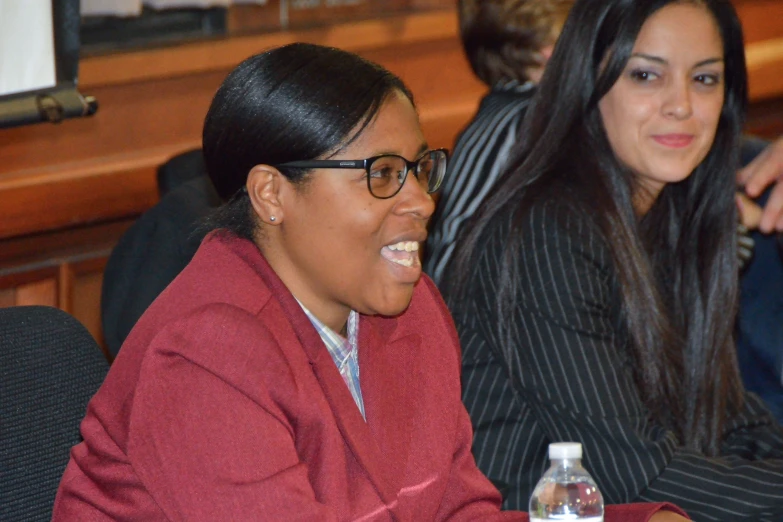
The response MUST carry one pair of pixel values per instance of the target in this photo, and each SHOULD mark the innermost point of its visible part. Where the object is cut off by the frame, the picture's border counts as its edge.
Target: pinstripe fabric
(480, 153)
(563, 373)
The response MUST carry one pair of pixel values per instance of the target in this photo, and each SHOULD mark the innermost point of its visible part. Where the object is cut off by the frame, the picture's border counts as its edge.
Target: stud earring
(272, 218)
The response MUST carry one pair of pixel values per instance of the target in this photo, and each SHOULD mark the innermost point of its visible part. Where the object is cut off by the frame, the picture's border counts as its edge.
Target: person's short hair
(503, 38)
(292, 103)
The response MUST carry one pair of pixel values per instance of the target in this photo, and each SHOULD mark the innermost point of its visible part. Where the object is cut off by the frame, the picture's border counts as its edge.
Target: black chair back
(153, 251)
(50, 366)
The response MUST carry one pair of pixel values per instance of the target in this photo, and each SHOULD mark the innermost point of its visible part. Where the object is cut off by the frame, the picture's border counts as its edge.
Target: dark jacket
(563, 373)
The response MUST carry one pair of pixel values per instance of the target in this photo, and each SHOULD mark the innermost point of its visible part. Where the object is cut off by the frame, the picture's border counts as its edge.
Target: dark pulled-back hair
(292, 103)
(676, 266)
(502, 38)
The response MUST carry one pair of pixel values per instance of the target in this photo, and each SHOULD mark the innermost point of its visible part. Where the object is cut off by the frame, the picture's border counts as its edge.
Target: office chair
(157, 246)
(50, 366)
(180, 169)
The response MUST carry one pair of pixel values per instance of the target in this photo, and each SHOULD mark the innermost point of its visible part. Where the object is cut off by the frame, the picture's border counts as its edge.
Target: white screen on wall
(26, 46)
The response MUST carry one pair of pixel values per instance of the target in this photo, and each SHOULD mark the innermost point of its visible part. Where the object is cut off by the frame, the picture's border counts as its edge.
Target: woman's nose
(677, 102)
(414, 198)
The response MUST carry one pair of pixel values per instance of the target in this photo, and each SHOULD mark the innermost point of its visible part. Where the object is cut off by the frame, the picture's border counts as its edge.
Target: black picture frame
(66, 19)
(63, 101)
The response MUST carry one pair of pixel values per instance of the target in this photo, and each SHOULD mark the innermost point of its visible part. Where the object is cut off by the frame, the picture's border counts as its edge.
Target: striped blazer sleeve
(567, 360)
(480, 154)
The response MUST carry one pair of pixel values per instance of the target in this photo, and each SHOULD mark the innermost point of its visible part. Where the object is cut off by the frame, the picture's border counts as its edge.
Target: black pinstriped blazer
(566, 376)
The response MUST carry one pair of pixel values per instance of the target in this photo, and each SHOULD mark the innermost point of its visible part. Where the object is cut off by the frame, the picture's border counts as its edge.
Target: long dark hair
(677, 266)
(292, 103)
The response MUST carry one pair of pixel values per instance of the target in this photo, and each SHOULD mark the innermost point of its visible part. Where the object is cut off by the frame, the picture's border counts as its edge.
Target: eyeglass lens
(387, 173)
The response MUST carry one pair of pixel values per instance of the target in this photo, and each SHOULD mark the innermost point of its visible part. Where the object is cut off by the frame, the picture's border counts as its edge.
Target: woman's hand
(667, 516)
(750, 213)
(759, 174)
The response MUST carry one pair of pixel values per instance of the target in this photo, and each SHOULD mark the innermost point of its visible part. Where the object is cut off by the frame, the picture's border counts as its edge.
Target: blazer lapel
(388, 389)
(347, 416)
(354, 429)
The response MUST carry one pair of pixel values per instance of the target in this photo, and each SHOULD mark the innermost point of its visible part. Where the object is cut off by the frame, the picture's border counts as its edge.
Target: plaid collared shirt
(344, 352)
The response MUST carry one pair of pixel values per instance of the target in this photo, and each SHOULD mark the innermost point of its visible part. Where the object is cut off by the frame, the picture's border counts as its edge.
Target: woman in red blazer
(299, 367)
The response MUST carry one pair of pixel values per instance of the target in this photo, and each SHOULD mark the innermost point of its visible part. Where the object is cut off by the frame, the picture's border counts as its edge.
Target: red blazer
(224, 404)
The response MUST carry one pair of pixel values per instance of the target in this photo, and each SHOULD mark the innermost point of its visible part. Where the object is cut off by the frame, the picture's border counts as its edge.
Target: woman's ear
(264, 187)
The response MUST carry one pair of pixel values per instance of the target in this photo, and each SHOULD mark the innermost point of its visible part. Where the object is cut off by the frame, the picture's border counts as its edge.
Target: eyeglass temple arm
(325, 164)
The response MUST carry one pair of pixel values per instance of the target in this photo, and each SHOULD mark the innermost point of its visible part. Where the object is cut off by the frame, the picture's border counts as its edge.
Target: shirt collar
(339, 347)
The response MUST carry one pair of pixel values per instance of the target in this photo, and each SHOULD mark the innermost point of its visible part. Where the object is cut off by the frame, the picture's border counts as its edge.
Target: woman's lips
(404, 253)
(405, 262)
(674, 141)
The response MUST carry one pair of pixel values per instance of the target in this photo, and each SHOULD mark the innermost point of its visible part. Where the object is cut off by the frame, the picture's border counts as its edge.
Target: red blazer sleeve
(203, 443)
(639, 512)
(469, 494)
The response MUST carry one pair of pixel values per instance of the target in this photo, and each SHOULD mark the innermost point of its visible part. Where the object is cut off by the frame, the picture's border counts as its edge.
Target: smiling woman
(317, 208)
(596, 292)
(356, 228)
(662, 113)
(300, 367)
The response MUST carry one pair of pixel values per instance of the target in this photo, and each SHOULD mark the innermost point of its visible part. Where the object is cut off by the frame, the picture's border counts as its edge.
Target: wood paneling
(42, 292)
(765, 65)
(73, 287)
(77, 195)
(25, 275)
(221, 55)
(20, 255)
(76, 288)
(761, 19)
(62, 269)
(7, 297)
(85, 292)
(762, 22)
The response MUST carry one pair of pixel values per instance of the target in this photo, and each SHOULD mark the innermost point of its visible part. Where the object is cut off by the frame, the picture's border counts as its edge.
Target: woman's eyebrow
(650, 58)
(423, 148)
(662, 61)
(709, 61)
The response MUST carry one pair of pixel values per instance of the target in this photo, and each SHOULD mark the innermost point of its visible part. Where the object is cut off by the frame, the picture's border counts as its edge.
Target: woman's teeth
(404, 262)
(404, 253)
(408, 246)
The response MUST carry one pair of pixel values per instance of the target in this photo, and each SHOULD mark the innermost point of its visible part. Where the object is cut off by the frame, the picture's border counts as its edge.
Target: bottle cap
(565, 450)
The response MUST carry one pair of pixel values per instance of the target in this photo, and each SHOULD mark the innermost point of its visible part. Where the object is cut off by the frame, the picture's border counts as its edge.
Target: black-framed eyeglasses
(387, 173)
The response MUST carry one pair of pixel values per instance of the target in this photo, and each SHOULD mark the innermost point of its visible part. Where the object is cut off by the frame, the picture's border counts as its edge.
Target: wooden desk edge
(212, 55)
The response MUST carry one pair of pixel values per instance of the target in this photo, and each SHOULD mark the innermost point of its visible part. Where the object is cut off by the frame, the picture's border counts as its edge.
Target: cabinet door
(32, 287)
(72, 285)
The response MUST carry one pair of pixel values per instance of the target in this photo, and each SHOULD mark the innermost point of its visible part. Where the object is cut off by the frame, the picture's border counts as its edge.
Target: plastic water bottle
(566, 491)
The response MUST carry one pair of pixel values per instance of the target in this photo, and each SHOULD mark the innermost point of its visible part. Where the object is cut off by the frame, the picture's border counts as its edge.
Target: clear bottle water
(566, 491)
